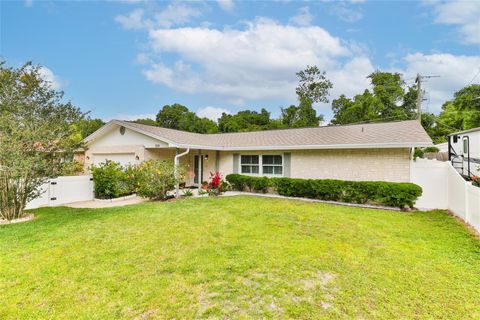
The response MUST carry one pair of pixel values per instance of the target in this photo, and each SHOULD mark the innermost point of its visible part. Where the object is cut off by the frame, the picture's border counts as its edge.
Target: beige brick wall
(346, 164)
(352, 164)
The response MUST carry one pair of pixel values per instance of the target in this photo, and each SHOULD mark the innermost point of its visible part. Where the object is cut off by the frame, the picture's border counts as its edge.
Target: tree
(147, 121)
(303, 115)
(246, 120)
(389, 100)
(313, 84)
(87, 126)
(36, 130)
(178, 117)
(170, 116)
(462, 112)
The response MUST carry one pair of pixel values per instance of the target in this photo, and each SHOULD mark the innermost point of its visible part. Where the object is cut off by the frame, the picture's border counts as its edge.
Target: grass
(241, 257)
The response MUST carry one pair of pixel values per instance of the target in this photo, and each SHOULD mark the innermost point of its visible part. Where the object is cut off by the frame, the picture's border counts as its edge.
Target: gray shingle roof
(389, 134)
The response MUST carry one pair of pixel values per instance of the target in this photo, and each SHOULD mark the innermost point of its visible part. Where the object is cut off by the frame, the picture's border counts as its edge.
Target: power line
(474, 77)
(418, 81)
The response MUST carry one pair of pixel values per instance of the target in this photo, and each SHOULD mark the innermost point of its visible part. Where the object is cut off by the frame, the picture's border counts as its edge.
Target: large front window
(250, 164)
(262, 165)
(272, 164)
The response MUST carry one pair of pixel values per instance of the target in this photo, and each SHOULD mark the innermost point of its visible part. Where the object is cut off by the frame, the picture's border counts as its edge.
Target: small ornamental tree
(156, 178)
(36, 130)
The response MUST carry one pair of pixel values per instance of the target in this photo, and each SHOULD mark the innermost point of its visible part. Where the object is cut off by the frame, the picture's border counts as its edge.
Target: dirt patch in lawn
(267, 294)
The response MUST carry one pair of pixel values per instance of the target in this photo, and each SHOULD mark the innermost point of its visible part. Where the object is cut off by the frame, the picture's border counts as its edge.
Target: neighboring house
(377, 151)
(464, 151)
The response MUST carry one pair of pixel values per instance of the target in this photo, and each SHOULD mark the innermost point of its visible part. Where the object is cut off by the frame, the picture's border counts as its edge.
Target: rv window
(465, 145)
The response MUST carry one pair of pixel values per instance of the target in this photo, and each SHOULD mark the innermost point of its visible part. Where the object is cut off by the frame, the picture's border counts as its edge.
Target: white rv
(464, 152)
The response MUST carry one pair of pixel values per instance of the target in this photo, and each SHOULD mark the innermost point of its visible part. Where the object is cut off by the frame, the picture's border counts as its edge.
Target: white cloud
(212, 112)
(28, 3)
(134, 20)
(258, 62)
(345, 13)
(50, 77)
(464, 14)
(227, 5)
(174, 14)
(303, 17)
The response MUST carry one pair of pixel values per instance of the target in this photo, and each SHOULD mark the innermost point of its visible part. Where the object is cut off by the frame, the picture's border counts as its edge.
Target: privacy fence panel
(63, 190)
(444, 188)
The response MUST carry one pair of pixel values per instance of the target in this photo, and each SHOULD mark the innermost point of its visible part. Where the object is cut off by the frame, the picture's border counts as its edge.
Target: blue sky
(126, 59)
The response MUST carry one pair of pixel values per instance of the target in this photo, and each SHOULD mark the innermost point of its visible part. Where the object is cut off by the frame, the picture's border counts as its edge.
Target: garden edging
(269, 195)
(27, 217)
(117, 199)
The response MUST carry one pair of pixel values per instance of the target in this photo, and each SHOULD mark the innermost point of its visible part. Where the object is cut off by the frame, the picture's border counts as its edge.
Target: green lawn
(241, 257)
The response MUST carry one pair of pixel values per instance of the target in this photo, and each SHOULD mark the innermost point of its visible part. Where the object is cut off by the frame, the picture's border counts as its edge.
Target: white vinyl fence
(444, 188)
(64, 190)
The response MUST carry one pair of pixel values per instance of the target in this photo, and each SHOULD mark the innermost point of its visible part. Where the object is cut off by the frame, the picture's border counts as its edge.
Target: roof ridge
(267, 130)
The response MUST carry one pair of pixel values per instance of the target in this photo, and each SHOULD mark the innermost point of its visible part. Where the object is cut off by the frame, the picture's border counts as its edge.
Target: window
(465, 145)
(261, 165)
(272, 164)
(250, 164)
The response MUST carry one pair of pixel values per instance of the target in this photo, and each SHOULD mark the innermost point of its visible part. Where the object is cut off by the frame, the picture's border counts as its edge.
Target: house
(376, 151)
(464, 151)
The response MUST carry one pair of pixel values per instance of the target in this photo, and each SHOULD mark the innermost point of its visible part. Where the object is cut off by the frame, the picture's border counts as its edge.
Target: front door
(198, 170)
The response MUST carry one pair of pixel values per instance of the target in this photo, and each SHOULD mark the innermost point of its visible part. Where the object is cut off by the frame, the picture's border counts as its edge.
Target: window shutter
(236, 161)
(286, 164)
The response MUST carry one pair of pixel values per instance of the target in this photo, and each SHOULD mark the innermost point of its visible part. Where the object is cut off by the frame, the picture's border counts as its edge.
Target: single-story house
(375, 151)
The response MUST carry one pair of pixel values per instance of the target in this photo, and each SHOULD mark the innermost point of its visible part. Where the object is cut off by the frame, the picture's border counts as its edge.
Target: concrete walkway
(105, 203)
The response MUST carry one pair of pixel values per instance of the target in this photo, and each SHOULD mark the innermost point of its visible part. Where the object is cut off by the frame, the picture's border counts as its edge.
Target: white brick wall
(352, 164)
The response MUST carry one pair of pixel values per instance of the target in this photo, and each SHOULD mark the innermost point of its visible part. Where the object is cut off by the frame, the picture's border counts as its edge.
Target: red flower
(216, 180)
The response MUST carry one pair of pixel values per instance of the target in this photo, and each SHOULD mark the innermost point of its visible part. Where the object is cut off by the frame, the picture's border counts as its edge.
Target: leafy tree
(303, 115)
(178, 117)
(86, 127)
(147, 121)
(246, 120)
(389, 100)
(170, 116)
(462, 112)
(313, 84)
(36, 134)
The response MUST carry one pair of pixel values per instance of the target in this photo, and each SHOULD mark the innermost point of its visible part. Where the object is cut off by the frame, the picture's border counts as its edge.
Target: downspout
(175, 168)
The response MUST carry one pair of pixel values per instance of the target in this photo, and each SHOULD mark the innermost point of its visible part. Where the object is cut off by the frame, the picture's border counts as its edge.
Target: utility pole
(418, 81)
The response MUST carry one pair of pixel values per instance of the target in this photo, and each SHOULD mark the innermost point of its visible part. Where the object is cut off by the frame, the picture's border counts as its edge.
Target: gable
(114, 137)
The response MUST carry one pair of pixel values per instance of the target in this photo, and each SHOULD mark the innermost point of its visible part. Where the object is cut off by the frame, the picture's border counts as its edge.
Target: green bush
(156, 178)
(431, 149)
(391, 194)
(110, 180)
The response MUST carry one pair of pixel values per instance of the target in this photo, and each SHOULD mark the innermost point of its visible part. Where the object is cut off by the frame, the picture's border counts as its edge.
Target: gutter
(175, 168)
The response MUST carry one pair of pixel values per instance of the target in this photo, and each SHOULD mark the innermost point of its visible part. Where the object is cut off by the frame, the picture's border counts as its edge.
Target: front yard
(240, 257)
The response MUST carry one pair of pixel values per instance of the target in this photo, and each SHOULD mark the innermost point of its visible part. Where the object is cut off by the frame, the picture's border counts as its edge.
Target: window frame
(250, 164)
(260, 164)
(465, 142)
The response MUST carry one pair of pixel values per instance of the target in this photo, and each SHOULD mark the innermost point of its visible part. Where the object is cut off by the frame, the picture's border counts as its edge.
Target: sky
(126, 59)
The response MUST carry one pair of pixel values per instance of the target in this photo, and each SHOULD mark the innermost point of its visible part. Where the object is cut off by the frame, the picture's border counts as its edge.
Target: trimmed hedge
(392, 194)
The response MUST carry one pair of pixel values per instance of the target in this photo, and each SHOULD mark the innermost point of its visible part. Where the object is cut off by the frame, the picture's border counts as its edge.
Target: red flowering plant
(476, 181)
(215, 184)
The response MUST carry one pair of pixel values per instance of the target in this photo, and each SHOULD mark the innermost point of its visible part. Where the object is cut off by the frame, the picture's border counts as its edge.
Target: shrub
(156, 178)
(391, 194)
(71, 168)
(110, 180)
(431, 149)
